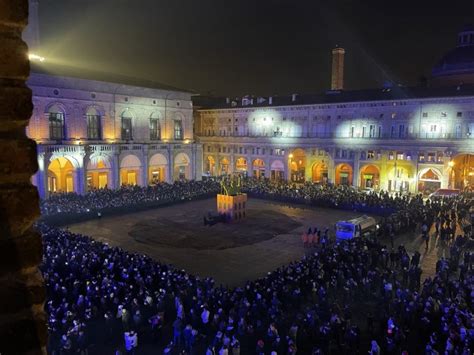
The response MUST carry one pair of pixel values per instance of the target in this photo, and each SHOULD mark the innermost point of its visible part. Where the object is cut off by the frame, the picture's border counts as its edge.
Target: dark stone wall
(22, 293)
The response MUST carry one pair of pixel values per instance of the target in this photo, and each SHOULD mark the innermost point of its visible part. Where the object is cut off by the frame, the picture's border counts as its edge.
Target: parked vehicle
(440, 193)
(355, 228)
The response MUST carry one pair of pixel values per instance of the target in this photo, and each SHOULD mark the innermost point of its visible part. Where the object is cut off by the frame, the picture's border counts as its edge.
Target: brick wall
(22, 294)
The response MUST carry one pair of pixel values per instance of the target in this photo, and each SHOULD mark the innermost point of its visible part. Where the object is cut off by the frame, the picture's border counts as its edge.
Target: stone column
(170, 177)
(22, 317)
(115, 171)
(42, 175)
(144, 175)
(355, 170)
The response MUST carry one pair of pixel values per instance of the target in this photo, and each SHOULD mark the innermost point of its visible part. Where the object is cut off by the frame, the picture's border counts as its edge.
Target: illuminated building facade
(396, 138)
(95, 134)
(409, 143)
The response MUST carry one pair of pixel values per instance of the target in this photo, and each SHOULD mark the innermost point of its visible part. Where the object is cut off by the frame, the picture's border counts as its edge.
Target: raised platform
(233, 206)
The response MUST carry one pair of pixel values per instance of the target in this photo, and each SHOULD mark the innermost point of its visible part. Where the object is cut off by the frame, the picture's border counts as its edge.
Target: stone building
(95, 134)
(406, 139)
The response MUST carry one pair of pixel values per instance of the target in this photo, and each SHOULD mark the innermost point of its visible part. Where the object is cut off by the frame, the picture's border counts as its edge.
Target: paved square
(230, 253)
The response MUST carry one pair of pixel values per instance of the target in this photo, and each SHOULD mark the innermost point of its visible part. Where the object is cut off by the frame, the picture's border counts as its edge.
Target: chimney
(293, 97)
(337, 76)
(270, 100)
(227, 100)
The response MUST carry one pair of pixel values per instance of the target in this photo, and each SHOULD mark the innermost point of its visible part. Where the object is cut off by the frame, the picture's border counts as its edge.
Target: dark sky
(257, 47)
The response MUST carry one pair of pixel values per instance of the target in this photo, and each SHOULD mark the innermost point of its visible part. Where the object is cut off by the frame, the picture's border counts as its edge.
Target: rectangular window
(440, 157)
(380, 132)
(364, 131)
(399, 155)
(56, 125)
(352, 131)
(425, 114)
(178, 130)
(93, 127)
(390, 156)
(392, 132)
(421, 157)
(401, 131)
(459, 114)
(127, 128)
(372, 131)
(155, 131)
(431, 157)
(444, 114)
(370, 154)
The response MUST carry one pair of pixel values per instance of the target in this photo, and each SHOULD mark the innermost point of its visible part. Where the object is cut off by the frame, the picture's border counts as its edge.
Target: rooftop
(86, 74)
(331, 97)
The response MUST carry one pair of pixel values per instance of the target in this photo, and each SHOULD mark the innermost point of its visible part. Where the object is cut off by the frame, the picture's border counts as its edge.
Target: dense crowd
(125, 196)
(103, 295)
(335, 300)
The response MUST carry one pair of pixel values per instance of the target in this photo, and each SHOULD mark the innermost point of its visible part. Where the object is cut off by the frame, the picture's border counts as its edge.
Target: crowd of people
(350, 297)
(125, 196)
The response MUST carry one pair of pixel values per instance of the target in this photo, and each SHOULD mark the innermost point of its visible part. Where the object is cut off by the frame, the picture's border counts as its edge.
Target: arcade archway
(61, 175)
(429, 180)
(130, 170)
(258, 167)
(157, 169)
(462, 172)
(241, 165)
(370, 177)
(224, 166)
(400, 178)
(343, 174)
(98, 170)
(182, 167)
(211, 166)
(320, 173)
(277, 170)
(297, 163)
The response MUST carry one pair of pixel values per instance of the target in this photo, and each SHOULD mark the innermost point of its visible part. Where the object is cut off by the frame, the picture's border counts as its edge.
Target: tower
(31, 32)
(337, 75)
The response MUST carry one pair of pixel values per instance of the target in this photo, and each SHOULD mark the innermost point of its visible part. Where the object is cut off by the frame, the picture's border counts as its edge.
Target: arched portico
(61, 175)
(320, 173)
(157, 169)
(370, 177)
(98, 172)
(344, 174)
(429, 180)
(182, 167)
(258, 168)
(130, 170)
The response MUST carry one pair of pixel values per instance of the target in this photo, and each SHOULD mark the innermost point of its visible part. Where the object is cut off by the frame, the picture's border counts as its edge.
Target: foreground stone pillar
(22, 319)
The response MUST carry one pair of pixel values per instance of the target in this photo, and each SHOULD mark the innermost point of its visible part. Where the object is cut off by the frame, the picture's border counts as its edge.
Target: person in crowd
(99, 294)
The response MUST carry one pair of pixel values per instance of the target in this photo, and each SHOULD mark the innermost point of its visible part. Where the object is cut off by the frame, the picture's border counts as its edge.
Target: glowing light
(290, 156)
(451, 164)
(186, 141)
(35, 57)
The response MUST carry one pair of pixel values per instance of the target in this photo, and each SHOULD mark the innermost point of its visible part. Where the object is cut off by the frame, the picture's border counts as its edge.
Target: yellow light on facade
(451, 164)
(290, 156)
(35, 57)
(186, 141)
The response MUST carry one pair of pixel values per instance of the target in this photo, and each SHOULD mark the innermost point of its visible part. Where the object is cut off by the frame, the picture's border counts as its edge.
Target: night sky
(259, 47)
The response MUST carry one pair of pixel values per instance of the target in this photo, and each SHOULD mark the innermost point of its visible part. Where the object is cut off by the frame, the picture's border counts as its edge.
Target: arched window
(155, 128)
(93, 124)
(127, 126)
(178, 130)
(56, 123)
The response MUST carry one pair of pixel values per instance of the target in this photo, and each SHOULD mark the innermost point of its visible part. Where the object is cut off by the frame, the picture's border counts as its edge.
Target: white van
(355, 228)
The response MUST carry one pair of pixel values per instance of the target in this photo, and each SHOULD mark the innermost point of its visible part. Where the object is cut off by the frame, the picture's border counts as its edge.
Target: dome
(457, 66)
